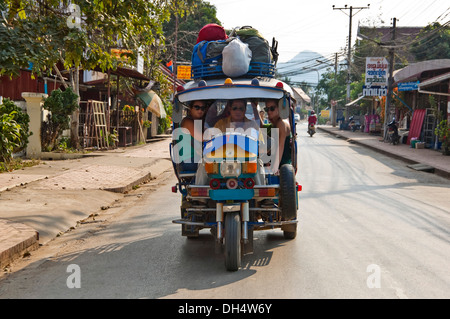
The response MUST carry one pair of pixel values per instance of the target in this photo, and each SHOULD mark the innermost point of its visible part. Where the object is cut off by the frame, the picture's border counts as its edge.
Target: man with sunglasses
(284, 132)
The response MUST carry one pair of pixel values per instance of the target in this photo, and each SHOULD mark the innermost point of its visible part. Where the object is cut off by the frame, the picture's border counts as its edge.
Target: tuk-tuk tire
(288, 196)
(233, 241)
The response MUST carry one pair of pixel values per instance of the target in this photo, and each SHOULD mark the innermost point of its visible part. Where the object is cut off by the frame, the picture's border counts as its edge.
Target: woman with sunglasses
(284, 132)
(192, 136)
(237, 118)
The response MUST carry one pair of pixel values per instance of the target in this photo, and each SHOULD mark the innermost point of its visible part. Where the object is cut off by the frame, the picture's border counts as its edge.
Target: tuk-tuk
(234, 186)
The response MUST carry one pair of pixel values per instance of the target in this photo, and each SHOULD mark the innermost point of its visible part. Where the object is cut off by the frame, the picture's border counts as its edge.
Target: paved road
(369, 228)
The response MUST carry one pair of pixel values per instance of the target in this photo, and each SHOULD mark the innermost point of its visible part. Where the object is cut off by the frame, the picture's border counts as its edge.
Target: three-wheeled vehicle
(234, 188)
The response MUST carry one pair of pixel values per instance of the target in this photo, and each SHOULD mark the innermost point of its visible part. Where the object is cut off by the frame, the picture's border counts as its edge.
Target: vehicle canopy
(258, 89)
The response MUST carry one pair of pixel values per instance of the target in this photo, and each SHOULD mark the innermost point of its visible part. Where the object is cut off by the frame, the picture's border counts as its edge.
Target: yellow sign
(184, 72)
(325, 113)
(121, 54)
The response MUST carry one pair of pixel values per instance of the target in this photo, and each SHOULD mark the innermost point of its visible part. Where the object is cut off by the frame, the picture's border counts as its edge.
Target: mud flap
(247, 248)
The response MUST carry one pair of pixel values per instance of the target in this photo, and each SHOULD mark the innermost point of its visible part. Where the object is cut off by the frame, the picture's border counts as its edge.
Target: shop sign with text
(377, 72)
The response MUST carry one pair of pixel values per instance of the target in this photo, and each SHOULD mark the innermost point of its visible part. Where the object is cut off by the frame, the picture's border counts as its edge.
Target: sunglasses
(240, 108)
(271, 108)
(198, 107)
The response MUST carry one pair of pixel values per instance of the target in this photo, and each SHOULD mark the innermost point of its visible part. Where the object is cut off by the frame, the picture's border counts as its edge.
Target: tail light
(249, 183)
(264, 192)
(199, 191)
(214, 183)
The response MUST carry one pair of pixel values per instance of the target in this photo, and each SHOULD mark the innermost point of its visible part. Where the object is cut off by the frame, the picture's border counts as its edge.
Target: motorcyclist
(312, 119)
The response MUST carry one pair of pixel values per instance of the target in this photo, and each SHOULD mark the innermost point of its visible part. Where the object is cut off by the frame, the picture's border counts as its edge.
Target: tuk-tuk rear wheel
(288, 196)
(232, 241)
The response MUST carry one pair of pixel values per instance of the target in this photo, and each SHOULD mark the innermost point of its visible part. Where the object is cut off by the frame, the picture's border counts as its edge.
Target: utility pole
(333, 105)
(390, 80)
(349, 53)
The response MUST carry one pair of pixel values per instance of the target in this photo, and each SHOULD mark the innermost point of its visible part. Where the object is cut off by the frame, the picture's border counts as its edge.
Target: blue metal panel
(231, 194)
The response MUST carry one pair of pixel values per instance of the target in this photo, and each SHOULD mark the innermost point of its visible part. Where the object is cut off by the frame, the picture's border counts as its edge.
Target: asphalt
(40, 202)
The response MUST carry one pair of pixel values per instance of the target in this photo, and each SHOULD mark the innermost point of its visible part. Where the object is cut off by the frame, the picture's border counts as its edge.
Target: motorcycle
(354, 125)
(393, 136)
(311, 129)
(234, 198)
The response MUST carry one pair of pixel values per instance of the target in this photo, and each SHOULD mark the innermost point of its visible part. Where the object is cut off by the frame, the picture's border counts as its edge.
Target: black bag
(258, 45)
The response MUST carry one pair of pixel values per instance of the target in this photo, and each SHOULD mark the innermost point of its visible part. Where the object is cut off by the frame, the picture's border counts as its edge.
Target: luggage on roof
(207, 57)
(212, 32)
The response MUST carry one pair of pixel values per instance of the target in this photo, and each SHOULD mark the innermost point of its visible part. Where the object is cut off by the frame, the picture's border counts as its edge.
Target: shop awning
(125, 72)
(414, 71)
(433, 81)
(355, 101)
(153, 102)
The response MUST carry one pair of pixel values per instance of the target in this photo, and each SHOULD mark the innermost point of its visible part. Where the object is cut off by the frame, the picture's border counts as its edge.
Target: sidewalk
(420, 159)
(39, 202)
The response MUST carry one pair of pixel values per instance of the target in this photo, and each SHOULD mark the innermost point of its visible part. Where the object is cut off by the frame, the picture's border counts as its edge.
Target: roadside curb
(11, 248)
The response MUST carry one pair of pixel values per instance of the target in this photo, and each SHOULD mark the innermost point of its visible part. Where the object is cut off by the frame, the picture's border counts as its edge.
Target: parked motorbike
(393, 136)
(354, 125)
(311, 129)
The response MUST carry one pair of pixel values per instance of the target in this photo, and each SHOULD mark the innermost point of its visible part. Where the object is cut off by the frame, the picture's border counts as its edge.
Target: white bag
(236, 58)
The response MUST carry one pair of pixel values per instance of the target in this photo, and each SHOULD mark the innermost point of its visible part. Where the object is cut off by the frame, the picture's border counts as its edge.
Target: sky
(313, 25)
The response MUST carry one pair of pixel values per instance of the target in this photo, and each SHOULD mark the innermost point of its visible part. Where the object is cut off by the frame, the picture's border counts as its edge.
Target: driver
(237, 118)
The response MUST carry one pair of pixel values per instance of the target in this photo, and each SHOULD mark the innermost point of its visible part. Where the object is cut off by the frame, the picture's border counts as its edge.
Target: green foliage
(332, 87)
(192, 16)
(164, 123)
(21, 118)
(443, 133)
(10, 133)
(61, 104)
(433, 42)
(38, 32)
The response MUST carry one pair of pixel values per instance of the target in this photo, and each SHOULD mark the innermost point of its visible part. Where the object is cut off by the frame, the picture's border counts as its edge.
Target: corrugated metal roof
(302, 94)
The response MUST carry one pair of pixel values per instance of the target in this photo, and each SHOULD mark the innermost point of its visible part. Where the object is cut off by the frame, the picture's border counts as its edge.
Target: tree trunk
(75, 142)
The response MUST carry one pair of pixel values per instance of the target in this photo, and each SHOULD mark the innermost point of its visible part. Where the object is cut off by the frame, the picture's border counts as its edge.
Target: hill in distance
(302, 67)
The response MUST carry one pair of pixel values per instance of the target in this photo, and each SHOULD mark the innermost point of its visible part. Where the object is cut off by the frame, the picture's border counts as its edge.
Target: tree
(61, 104)
(433, 42)
(332, 87)
(44, 32)
(182, 29)
(38, 34)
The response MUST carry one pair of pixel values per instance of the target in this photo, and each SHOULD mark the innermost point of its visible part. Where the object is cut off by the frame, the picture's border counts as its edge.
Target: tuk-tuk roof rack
(214, 70)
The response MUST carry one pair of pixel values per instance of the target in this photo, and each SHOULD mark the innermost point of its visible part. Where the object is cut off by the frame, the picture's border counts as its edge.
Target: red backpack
(212, 32)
